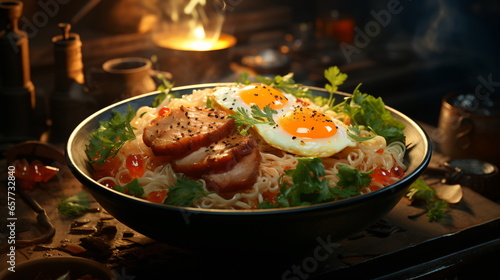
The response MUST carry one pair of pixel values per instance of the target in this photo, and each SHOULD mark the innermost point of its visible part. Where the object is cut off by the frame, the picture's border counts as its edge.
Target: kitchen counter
(402, 244)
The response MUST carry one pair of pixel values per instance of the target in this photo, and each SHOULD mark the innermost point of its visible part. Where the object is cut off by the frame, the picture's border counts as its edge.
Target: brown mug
(122, 78)
(470, 131)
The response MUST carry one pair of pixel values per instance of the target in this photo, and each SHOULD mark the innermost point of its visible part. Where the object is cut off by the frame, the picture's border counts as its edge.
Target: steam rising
(435, 30)
(193, 24)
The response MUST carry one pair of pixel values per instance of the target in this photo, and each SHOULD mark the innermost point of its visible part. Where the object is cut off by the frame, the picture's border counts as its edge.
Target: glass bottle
(17, 92)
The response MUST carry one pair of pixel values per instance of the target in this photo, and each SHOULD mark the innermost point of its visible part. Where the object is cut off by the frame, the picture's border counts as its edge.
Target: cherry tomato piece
(157, 196)
(108, 183)
(164, 111)
(135, 164)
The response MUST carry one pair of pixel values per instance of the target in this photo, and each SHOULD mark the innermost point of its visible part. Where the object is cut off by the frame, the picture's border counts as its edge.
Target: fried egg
(306, 132)
(298, 129)
(245, 96)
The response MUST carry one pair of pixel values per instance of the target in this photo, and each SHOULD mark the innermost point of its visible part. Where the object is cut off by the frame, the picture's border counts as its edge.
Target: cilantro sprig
(310, 187)
(108, 139)
(245, 121)
(354, 133)
(75, 205)
(132, 188)
(336, 78)
(365, 109)
(164, 87)
(284, 83)
(185, 192)
(351, 181)
(435, 209)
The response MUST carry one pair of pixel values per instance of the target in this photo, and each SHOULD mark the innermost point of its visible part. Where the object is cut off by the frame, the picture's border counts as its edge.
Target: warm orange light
(225, 41)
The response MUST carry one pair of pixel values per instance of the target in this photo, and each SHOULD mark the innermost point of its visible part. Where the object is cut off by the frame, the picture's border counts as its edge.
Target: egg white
(228, 97)
(277, 137)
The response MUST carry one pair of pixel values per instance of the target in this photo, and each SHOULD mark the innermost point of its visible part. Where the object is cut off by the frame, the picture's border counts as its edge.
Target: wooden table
(394, 238)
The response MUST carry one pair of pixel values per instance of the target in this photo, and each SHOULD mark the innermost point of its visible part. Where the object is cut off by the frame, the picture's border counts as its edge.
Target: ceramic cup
(122, 78)
(468, 127)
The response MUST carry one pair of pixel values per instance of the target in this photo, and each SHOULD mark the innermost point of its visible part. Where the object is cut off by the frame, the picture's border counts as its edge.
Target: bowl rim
(81, 175)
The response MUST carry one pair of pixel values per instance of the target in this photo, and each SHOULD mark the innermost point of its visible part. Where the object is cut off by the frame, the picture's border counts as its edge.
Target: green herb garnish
(336, 78)
(258, 116)
(108, 139)
(436, 209)
(209, 104)
(351, 181)
(365, 109)
(244, 79)
(309, 187)
(132, 188)
(355, 131)
(185, 192)
(264, 115)
(282, 83)
(75, 205)
(164, 87)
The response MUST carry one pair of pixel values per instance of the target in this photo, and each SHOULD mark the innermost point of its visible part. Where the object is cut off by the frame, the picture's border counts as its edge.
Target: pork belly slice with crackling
(184, 130)
(218, 157)
(240, 178)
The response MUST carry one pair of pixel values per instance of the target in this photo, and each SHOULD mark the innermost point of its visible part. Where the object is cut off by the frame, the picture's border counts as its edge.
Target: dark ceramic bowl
(299, 227)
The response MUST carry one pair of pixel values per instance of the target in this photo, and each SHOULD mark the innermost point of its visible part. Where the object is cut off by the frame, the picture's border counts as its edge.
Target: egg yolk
(307, 123)
(262, 95)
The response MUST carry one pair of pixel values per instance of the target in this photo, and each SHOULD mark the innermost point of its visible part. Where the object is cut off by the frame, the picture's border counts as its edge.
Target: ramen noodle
(157, 176)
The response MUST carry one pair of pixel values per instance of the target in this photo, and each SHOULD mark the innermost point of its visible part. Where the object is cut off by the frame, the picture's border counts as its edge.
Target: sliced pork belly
(218, 157)
(240, 178)
(182, 131)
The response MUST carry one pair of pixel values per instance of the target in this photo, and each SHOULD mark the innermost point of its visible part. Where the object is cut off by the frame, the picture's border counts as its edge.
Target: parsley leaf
(308, 187)
(267, 114)
(164, 87)
(244, 79)
(132, 188)
(420, 190)
(354, 133)
(243, 119)
(365, 109)
(350, 176)
(336, 78)
(209, 103)
(282, 83)
(351, 182)
(436, 209)
(267, 205)
(185, 192)
(108, 139)
(75, 205)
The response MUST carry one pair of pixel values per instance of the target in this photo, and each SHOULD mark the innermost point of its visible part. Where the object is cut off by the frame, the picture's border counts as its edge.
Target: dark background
(429, 49)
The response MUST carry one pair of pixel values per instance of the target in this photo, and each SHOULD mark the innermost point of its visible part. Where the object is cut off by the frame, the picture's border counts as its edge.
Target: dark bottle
(70, 102)
(17, 92)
